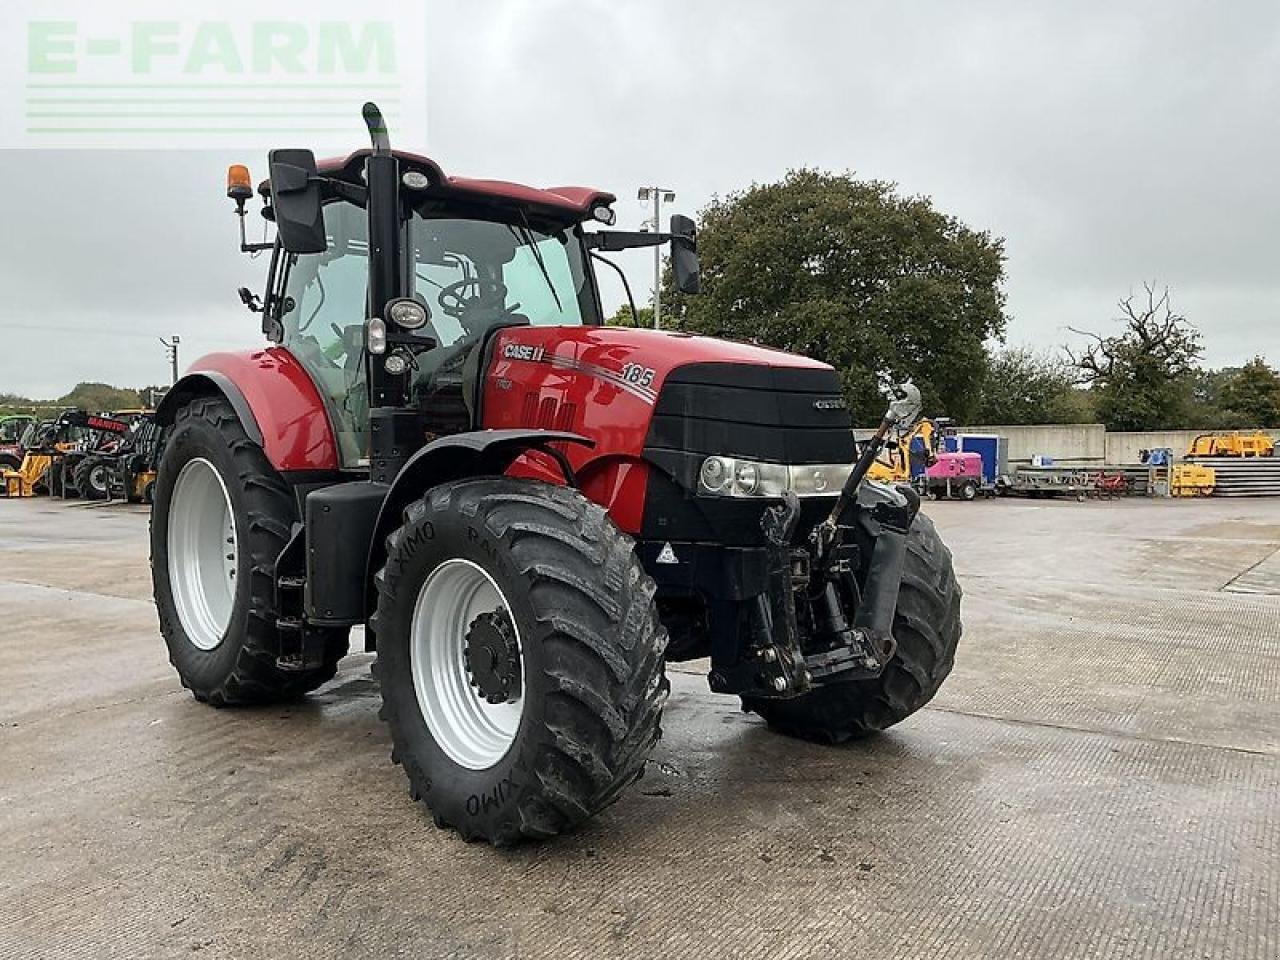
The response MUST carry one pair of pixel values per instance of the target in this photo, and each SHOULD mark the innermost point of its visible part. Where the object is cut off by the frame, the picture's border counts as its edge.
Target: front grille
(777, 414)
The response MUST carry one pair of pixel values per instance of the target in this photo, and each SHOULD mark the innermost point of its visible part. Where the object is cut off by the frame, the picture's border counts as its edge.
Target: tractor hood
(636, 360)
(630, 390)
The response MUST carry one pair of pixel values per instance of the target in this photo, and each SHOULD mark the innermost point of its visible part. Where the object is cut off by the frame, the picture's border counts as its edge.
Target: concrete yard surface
(1099, 777)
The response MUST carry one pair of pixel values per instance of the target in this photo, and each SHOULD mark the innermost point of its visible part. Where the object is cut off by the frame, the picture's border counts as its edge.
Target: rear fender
(207, 384)
(275, 400)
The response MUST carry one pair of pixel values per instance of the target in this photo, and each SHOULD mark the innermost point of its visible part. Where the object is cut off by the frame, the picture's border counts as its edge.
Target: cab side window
(323, 318)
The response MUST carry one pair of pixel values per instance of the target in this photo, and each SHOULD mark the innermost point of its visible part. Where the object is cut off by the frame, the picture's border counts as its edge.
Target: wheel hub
(492, 656)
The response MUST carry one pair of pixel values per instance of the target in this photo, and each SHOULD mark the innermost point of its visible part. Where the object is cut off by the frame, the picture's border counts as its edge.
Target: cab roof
(573, 201)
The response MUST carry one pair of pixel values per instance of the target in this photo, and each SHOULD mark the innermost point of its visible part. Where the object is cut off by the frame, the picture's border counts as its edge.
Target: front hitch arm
(902, 415)
(891, 524)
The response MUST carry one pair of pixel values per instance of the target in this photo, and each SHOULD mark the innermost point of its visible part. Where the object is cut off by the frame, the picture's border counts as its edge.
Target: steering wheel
(459, 298)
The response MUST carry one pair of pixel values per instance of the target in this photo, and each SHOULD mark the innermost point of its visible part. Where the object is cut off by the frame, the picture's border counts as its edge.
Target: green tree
(1207, 411)
(622, 317)
(881, 286)
(1023, 386)
(1144, 377)
(1251, 397)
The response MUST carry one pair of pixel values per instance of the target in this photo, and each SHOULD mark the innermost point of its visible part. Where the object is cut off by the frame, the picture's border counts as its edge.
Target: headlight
(714, 474)
(732, 477)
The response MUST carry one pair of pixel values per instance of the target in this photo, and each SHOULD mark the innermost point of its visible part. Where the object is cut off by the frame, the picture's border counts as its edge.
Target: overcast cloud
(1108, 143)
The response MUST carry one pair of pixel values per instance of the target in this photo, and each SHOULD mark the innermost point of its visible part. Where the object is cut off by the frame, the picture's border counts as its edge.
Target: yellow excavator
(1233, 443)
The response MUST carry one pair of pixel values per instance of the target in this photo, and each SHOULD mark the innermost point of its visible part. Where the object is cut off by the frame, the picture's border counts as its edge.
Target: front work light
(407, 314)
(415, 180)
(376, 336)
(604, 213)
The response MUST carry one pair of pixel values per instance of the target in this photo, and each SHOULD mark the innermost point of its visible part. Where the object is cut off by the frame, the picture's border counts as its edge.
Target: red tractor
(529, 512)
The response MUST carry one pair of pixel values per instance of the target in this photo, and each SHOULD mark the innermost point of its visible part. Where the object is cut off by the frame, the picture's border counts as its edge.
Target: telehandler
(52, 451)
(128, 471)
(529, 512)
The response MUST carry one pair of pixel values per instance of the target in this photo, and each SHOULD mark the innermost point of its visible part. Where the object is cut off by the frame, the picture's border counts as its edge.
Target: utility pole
(658, 195)
(171, 349)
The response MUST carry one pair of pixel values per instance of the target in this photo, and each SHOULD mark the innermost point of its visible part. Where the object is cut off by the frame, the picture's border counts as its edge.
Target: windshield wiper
(525, 235)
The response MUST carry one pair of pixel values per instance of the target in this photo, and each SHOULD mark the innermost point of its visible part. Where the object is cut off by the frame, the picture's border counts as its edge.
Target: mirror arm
(613, 241)
(351, 192)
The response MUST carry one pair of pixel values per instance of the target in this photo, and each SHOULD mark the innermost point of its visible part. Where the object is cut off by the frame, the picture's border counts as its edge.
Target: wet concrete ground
(1100, 777)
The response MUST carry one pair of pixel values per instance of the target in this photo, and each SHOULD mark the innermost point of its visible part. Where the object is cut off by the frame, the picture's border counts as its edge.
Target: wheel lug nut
(780, 683)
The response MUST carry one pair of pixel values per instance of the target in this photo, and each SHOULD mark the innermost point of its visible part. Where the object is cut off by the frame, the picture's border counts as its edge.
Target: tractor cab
(472, 257)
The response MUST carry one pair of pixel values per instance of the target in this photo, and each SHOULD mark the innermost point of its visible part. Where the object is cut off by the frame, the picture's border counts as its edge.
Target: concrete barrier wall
(1125, 447)
(1076, 442)
(1083, 443)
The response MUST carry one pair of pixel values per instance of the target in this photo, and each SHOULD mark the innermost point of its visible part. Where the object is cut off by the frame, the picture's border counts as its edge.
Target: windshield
(473, 274)
(11, 430)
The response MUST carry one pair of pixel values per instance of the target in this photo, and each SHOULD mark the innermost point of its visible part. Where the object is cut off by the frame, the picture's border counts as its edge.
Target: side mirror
(295, 198)
(684, 254)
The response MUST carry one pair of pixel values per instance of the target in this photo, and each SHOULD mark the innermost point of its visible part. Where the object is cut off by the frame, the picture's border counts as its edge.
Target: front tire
(520, 657)
(222, 515)
(926, 625)
(92, 478)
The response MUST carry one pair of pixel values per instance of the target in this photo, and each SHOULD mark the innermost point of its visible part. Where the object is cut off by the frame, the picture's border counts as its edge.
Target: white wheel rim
(202, 553)
(98, 479)
(474, 733)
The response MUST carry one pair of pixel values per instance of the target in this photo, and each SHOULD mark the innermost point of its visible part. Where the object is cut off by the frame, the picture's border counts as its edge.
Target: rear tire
(237, 665)
(582, 632)
(926, 625)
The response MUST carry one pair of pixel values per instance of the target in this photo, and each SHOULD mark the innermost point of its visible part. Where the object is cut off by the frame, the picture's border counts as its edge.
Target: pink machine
(953, 476)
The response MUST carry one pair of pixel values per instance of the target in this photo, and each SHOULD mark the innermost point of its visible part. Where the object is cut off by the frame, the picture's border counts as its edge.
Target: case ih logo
(247, 74)
(522, 351)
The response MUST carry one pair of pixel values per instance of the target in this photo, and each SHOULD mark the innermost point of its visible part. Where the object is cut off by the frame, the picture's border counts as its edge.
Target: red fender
(274, 390)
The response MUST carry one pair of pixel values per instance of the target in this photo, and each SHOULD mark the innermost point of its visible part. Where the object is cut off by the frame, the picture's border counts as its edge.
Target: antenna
(377, 129)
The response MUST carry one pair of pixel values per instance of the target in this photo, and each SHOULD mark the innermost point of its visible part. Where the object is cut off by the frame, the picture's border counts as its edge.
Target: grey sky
(1108, 143)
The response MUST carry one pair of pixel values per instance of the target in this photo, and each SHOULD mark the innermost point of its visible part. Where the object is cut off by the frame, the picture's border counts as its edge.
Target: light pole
(658, 195)
(171, 348)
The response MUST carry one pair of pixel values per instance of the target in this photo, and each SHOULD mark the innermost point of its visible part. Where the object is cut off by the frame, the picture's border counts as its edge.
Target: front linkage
(800, 633)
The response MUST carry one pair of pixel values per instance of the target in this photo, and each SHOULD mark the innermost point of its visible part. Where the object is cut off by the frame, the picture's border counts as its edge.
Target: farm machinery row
(77, 454)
